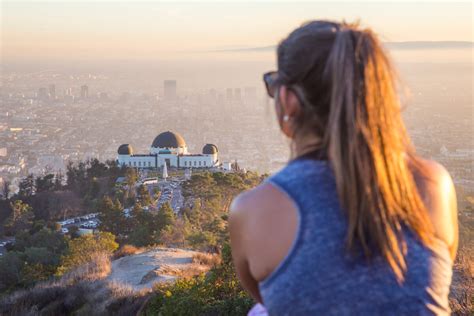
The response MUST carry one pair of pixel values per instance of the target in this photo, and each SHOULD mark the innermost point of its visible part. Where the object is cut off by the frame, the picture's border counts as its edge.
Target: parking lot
(171, 192)
(3, 243)
(89, 221)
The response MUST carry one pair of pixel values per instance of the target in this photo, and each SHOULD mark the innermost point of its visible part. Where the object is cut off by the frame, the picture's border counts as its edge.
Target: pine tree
(6, 189)
(131, 178)
(45, 183)
(111, 216)
(165, 216)
(143, 195)
(20, 219)
(94, 188)
(144, 227)
(58, 181)
(27, 186)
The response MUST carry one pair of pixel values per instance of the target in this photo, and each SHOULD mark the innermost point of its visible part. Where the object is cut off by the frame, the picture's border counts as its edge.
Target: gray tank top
(318, 277)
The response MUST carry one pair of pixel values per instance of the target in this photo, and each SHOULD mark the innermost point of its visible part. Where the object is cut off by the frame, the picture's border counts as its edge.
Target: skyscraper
(229, 96)
(42, 94)
(169, 87)
(237, 95)
(52, 91)
(84, 92)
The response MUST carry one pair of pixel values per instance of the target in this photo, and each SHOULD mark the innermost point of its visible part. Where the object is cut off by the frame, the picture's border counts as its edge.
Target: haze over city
(125, 51)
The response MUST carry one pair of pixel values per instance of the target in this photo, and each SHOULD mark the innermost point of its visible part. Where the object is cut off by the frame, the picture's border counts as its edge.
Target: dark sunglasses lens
(268, 79)
(269, 90)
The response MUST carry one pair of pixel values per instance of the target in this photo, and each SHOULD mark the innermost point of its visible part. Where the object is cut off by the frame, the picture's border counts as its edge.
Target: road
(171, 192)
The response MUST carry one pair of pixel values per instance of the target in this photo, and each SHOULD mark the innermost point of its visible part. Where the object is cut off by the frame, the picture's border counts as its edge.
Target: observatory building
(169, 148)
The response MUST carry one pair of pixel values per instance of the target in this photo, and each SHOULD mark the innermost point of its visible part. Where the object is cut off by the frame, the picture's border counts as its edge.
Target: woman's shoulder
(433, 182)
(428, 167)
(259, 211)
(274, 193)
(258, 201)
(437, 191)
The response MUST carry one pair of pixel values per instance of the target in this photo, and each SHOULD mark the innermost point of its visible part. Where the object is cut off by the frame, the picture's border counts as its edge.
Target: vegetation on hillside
(44, 266)
(53, 197)
(39, 247)
(82, 291)
(35, 256)
(58, 273)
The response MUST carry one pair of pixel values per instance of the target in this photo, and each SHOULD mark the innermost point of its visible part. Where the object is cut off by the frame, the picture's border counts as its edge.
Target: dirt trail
(144, 269)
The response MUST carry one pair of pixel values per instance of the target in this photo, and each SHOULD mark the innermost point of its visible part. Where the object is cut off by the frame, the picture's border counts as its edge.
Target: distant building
(229, 96)
(169, 89)
(227, 166)
(169, 148)
(84, 92)
(42, 94)
(220, 98)
(52, 91)
(237, 95)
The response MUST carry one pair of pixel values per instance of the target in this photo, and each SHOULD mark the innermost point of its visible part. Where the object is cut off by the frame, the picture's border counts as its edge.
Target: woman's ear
(290, 108)
(289, 102)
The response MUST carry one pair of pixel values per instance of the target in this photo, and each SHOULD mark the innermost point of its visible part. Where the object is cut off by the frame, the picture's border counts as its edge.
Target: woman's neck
(305, 144)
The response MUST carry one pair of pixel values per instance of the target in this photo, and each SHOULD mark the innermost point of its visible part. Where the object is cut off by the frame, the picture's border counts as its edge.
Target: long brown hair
(349, 99)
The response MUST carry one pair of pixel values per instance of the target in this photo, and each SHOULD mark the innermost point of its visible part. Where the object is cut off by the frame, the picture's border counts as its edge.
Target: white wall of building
(158, 160)
(227, 166)
(197, 161)
(137, 161)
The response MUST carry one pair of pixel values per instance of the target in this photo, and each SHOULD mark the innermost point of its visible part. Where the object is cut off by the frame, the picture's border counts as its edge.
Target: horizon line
(391, 44)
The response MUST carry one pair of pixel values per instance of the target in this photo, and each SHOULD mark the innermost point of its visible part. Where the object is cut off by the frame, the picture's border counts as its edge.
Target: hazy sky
(158, 29)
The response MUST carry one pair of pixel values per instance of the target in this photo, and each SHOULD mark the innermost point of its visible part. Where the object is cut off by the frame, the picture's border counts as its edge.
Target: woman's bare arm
(437, 190)
(238, 240)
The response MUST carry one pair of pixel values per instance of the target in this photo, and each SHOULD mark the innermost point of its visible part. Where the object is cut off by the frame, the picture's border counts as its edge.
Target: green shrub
(85, 248)
(216, 293)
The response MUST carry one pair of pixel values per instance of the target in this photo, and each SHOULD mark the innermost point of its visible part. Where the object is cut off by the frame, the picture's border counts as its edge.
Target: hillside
(139, 258)
(135, 257)
(104, 286)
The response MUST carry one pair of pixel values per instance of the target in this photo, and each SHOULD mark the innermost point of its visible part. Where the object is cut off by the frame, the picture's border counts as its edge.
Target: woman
(356, 223)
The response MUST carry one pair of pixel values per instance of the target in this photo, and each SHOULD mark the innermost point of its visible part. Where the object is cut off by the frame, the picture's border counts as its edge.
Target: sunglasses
(270, 79)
